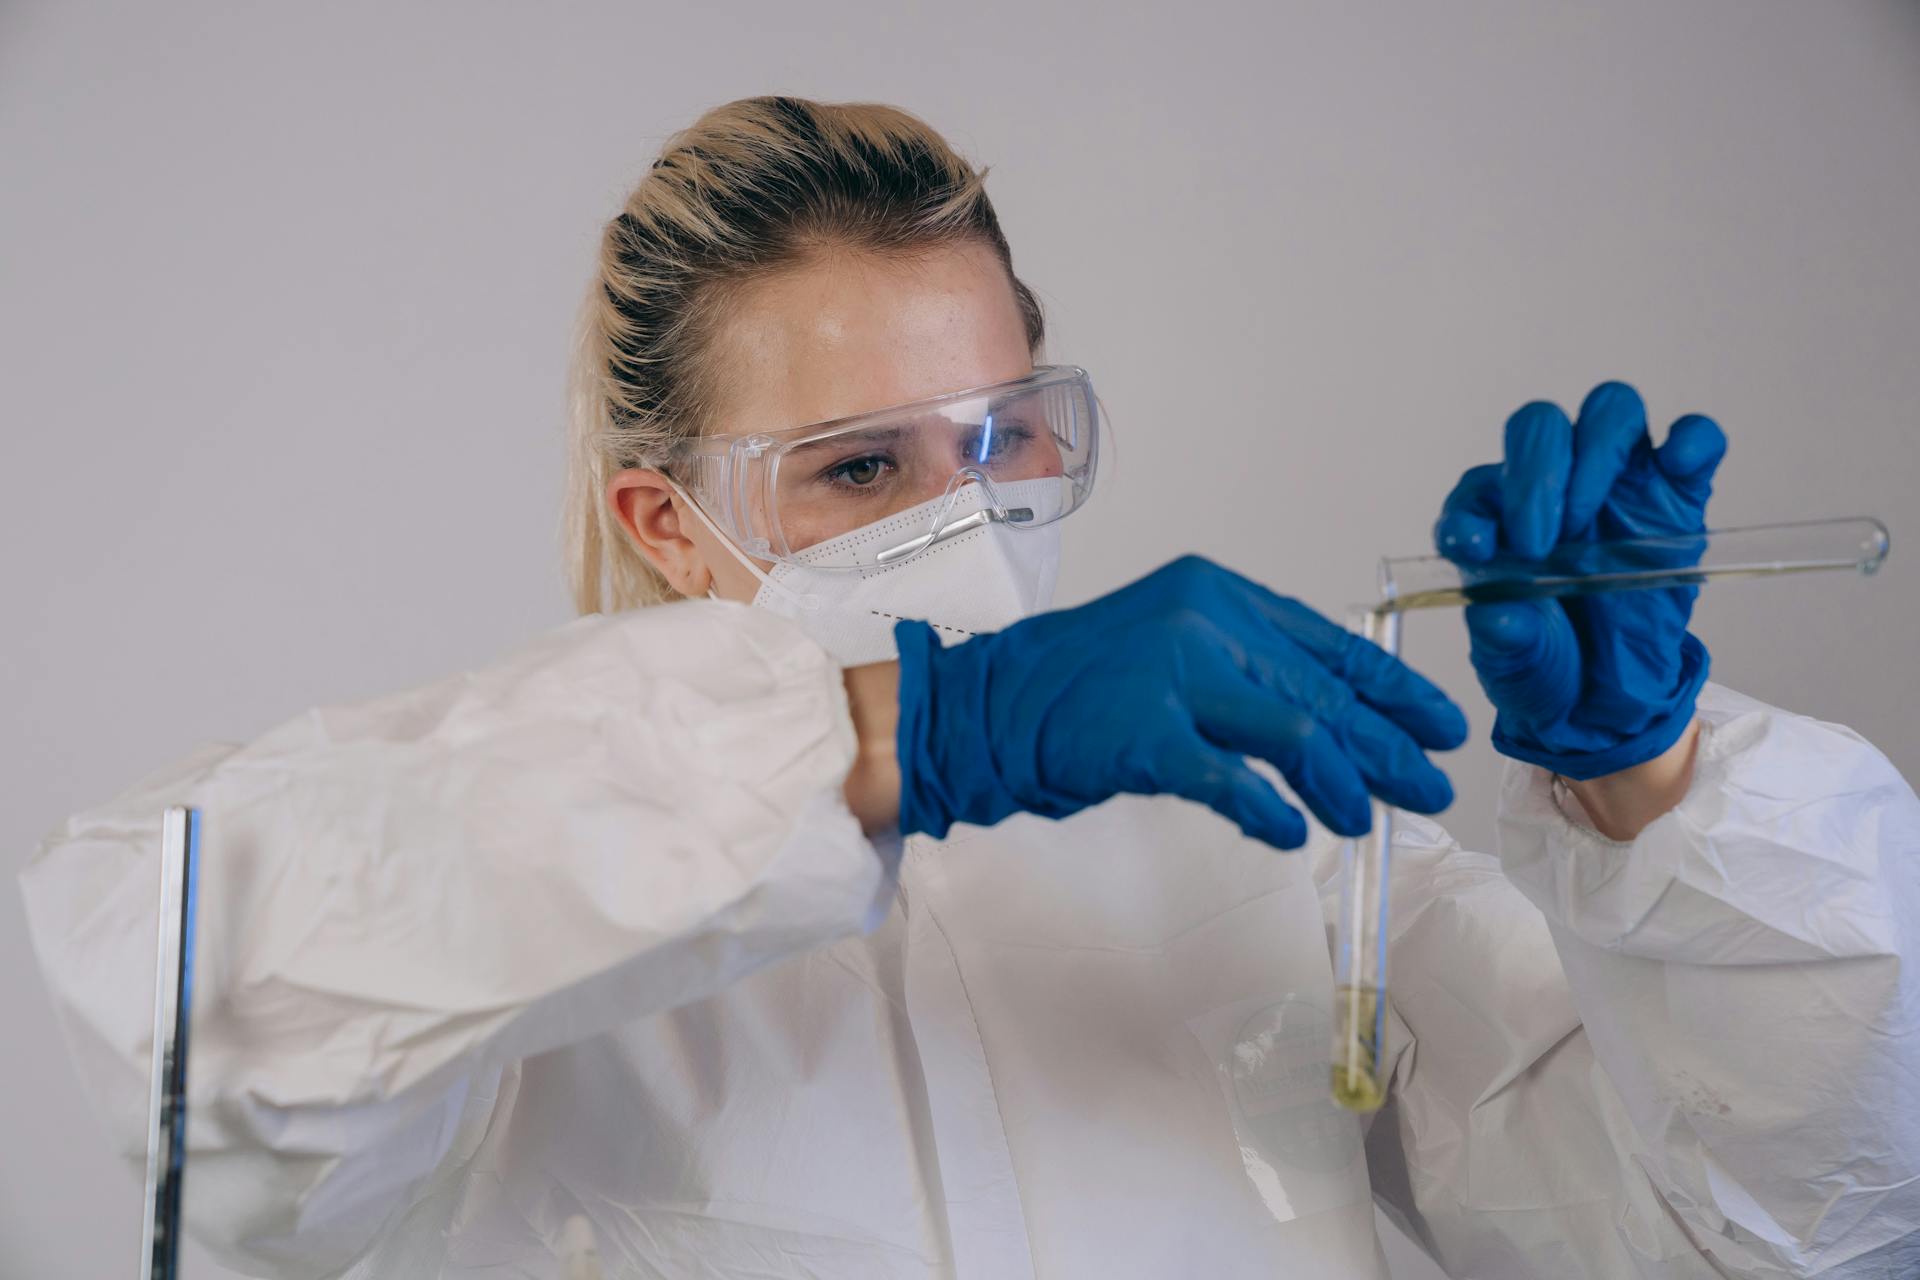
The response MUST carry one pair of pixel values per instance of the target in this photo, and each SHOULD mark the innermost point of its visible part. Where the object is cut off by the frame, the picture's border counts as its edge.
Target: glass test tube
(1360, 946)
(1427, 582)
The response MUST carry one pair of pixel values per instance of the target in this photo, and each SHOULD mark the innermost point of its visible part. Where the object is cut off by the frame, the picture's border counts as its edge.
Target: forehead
(847, 332)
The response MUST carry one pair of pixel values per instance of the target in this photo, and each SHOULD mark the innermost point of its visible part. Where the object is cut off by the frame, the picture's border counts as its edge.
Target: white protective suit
(590, 934)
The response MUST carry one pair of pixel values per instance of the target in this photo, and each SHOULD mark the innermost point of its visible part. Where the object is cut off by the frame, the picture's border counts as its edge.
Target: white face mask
(984, 579)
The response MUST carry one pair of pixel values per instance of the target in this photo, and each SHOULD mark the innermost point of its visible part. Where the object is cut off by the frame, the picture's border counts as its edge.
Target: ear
(644, 504)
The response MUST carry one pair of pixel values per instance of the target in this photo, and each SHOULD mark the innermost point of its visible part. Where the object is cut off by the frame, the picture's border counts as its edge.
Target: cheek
(736, 584)
(732, 581)
(730, 578)
(1040, 459)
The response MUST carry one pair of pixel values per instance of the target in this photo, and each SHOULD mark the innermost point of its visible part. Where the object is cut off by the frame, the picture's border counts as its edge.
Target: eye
(998, 440)
(858, 472)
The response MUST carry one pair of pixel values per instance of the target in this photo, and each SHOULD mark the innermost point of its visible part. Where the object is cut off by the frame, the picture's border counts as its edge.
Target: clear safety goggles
(1019, 453)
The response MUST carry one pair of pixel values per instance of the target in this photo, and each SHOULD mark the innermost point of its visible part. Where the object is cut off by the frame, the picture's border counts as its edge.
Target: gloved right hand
(1167, 686)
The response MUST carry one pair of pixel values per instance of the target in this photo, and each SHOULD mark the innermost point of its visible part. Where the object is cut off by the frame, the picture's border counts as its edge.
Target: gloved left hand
(1590, 685)
(1167, 687)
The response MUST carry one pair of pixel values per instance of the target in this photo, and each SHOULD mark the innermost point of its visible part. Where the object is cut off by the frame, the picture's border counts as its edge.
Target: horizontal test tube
(1424, 582)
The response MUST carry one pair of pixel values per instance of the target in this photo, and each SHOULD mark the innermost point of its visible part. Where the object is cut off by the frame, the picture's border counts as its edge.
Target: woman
(618, 942)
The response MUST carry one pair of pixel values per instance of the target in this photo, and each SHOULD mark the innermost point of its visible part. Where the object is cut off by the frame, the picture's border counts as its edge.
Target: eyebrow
(862, 439)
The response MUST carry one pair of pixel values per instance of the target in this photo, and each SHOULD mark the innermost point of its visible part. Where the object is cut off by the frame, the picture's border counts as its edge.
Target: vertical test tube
(1360, 954)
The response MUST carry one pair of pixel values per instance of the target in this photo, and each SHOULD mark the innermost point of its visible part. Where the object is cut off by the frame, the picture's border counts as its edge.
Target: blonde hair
(752, 188)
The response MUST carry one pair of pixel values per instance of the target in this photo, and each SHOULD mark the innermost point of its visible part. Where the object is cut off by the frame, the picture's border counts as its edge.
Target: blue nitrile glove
(1590, 685)
(1166, 686)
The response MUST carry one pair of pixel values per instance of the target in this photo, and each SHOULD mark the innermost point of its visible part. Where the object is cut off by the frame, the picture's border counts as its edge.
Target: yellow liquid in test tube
(1357, 1082)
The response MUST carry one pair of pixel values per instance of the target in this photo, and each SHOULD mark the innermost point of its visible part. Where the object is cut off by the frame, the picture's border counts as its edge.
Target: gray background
(285, 294)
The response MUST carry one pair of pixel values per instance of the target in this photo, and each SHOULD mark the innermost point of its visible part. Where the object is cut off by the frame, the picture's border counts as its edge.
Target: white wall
(284, 296)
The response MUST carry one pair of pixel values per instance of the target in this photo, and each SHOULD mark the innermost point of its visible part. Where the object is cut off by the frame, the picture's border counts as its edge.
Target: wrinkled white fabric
(589, 936)
(1721, 1074)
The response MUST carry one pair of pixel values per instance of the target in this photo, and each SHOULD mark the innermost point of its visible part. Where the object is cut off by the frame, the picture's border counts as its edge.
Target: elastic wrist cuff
(921, 806)
(1641, 747)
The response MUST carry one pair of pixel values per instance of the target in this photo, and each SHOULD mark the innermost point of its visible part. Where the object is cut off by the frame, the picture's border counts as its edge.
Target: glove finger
(1692, 453)
(1379, 679)
(1468, 530)
(1404, 696)
(1613, 419)
(1533, 478)
(1527, 658)
(1389, 760)
(1220, 780)
(1392, 764)
(1258, 722)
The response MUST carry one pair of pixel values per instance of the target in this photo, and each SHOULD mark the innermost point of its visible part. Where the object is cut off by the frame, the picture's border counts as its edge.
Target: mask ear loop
(798, 599)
